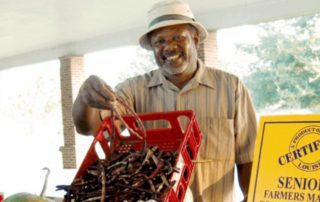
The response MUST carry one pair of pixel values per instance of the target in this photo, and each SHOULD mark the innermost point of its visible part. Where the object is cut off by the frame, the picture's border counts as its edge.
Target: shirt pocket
(218, 141)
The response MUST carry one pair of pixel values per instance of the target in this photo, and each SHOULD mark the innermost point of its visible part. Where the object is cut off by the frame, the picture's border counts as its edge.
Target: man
(220, 101)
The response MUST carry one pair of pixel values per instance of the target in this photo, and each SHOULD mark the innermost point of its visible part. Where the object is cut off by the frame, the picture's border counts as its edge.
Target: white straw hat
(167, 13)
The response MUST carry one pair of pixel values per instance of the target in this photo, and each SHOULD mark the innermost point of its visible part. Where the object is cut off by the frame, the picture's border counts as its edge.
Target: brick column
(208, 51)
(71, 77)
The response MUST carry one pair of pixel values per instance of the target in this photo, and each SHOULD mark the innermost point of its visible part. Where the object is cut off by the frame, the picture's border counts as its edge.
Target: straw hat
(167, 13)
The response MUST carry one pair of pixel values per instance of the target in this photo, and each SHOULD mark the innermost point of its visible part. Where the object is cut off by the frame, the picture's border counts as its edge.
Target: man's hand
(95, 93)
(93, 96)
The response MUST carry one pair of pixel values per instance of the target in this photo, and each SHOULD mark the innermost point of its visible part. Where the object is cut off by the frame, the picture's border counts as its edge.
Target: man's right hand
(94, 95)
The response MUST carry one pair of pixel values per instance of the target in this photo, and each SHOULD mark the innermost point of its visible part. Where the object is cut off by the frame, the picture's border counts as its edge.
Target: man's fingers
(108, 92)
(96, 93)
(99, 86)
(94, 99)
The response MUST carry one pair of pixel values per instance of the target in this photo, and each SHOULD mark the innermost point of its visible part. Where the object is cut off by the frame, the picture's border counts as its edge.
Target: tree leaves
(287, 71)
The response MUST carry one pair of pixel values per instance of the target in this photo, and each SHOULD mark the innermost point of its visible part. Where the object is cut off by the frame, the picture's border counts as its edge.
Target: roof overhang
(35, 31)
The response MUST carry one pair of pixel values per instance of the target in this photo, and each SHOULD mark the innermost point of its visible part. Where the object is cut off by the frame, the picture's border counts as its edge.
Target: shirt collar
(156, 79)
(202, 77)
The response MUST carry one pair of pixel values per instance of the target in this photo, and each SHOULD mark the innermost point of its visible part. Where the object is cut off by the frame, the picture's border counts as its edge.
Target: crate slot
(186, 174)
(181, 192)
(99, 151)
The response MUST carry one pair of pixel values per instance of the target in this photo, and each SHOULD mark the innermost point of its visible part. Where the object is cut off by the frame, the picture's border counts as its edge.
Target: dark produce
(128, 176)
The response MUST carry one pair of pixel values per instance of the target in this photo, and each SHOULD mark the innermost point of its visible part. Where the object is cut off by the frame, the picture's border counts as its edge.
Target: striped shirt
(224, 112)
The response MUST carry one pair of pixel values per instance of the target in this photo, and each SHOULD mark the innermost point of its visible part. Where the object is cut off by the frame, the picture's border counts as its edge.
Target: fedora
(167, 13)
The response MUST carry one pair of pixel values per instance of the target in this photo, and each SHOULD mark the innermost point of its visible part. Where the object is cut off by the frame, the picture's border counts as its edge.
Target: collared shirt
(224, 112)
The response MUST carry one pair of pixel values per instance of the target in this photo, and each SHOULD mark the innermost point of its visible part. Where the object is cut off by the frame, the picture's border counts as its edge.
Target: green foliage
(286, 73)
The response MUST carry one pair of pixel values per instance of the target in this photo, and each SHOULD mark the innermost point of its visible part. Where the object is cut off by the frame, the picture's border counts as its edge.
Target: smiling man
(175, 50)
(220, 101)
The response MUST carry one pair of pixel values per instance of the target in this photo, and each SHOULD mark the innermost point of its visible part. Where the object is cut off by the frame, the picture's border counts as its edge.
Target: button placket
(178, 101)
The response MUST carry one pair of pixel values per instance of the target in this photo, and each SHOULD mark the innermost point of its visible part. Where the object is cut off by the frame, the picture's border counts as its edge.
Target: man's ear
(149, 38)
(196, 39)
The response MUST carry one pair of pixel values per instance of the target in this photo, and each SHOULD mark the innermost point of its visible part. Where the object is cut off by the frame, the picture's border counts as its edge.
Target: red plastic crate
(174, 138)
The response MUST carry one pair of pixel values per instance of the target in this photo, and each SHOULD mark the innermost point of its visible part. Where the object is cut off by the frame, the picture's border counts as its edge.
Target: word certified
(304, 150)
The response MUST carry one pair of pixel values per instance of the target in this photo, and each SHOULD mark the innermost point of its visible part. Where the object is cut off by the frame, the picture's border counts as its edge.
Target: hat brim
(144, 40)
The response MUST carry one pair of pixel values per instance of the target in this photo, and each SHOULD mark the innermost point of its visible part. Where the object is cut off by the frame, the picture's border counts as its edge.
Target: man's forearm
(244, 172)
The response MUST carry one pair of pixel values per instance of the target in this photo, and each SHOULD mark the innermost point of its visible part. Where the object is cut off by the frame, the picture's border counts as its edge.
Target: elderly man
(220, 101)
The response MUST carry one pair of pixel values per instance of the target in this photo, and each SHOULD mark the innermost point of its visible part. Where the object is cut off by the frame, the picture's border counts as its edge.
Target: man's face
(174, 48)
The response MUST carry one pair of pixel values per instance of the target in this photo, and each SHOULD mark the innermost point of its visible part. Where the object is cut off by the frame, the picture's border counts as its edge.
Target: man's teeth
(173, 57)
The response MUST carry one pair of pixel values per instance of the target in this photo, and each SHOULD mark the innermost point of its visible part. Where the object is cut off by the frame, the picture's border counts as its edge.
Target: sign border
(261, 145)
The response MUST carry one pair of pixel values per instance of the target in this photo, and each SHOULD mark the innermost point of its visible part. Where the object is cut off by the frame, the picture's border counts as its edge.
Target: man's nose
(171, 45)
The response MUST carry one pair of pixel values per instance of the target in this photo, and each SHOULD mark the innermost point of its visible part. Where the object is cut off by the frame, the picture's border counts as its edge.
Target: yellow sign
(286, 163)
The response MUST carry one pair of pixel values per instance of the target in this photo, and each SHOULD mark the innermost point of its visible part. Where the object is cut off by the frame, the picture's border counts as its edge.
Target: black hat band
(170, 17)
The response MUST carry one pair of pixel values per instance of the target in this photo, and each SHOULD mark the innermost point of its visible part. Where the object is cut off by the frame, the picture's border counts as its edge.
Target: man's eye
(159, 42)
(178, 38)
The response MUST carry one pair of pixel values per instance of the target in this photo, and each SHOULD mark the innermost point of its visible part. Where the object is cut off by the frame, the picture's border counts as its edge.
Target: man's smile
(171, 58)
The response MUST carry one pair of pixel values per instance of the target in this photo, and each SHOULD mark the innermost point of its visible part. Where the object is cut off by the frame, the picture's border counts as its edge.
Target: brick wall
(208, 51)
(71, 77)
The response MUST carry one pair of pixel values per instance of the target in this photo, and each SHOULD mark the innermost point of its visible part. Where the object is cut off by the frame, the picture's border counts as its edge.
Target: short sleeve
(245, 125)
